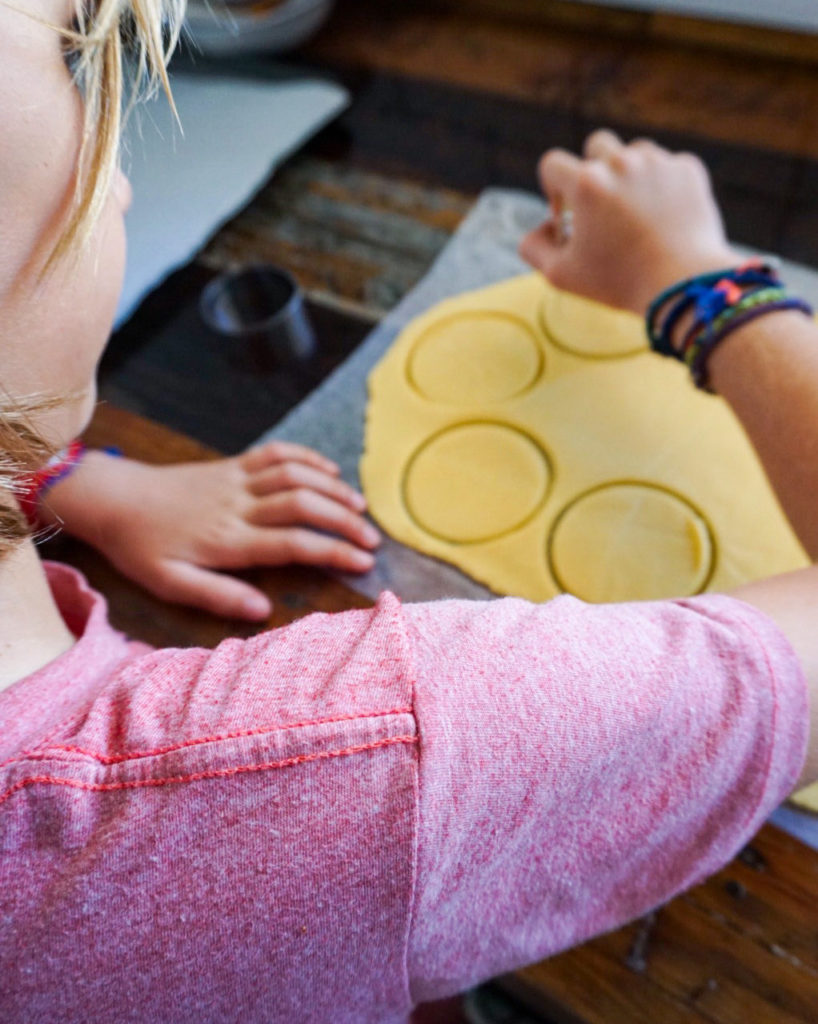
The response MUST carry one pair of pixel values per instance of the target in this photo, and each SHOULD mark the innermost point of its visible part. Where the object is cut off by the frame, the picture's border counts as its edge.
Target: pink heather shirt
(334, 821)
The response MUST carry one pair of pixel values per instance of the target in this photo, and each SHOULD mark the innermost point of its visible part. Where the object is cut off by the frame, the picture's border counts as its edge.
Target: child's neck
(32, 631)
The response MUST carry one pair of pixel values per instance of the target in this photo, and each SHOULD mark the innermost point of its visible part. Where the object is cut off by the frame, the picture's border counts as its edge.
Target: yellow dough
(593, 554)
(445, 482)
(530, 438)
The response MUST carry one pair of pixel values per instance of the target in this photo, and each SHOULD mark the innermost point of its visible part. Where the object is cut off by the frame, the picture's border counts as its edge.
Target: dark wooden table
(448, 98)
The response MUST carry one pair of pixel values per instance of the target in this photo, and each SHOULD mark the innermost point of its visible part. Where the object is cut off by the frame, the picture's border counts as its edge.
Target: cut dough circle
(475, 357)
(475, 482)
(588, 329)
(631, 542)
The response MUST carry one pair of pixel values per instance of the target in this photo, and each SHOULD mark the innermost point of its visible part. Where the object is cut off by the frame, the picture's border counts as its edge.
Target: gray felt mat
(331, 419)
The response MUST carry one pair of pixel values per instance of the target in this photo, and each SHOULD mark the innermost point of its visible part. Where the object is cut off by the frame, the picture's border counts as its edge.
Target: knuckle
(288, 546)
(351, 524)
(273, 449)
(301, 501)
(636, 157)
(645, 146)
(256, 511)
(304, 545)
(692, 163)
(289, 475)
(591, 183)
(339, 555)
(598, 137)
(343, 494)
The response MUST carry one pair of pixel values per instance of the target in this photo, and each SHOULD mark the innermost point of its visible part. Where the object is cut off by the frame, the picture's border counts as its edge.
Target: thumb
(542, 248)
(184, 583)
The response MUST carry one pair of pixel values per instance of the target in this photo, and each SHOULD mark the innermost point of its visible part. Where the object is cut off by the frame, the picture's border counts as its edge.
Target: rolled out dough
(533, 440)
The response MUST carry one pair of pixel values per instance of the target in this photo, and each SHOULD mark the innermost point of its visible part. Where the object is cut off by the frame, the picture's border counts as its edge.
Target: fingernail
(363, 560)
(358, 500)
(371, 535)
(256, 607)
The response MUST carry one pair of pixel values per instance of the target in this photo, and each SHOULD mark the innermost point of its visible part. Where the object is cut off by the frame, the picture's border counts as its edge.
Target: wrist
(32, 489)
(694, 316)
(668, 271)
(80, 502)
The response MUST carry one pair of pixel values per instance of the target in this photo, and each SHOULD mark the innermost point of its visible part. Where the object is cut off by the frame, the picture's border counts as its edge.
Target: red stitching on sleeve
(214, 773)
(42, 753)
(75, 716)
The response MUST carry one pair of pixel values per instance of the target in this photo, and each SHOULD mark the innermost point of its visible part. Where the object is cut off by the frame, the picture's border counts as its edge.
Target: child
(341, 819)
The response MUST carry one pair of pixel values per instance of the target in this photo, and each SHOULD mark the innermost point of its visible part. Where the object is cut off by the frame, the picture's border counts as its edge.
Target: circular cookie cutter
(475, 358)
(631, 541)
(475, 482)
(567, 322)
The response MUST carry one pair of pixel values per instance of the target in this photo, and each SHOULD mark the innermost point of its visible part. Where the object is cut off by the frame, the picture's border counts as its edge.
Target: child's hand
(169, 527)
(643, 218)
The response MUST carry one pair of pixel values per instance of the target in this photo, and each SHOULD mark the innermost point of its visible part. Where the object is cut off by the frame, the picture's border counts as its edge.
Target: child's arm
(644, 218)
(170, 528)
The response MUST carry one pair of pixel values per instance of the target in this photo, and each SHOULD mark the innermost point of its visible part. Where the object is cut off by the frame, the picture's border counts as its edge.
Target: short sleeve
(581, 764)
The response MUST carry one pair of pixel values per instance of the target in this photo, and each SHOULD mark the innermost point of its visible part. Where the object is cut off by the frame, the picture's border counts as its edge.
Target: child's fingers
(606, 145)
(543, 247)
(274, 452)
(305, 507)
(559, 172)
(304, 546)
(290, 476)
(184, 583)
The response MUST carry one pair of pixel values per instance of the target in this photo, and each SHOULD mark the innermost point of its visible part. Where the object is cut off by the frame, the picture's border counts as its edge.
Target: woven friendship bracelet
(33, 488)
(698, 364)
(702, 332)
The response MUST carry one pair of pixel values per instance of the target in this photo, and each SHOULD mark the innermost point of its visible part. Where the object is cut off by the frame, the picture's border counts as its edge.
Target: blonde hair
(118, 47)
(108, 35)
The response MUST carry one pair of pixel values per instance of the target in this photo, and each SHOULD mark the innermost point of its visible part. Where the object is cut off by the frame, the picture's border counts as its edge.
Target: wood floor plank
(705, 961)
(647, 26)
(587, 986)
(654, 84)
(343, 231)
(740, 947)
(474, 140)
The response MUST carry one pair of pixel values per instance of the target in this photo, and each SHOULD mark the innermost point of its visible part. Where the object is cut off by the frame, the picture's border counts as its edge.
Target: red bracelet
(33, 488)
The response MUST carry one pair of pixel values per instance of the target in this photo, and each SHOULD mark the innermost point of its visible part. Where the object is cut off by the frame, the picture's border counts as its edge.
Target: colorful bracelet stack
(718, 304)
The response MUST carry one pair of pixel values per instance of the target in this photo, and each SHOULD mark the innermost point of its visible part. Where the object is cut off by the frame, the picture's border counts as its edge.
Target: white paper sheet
(236, 132)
